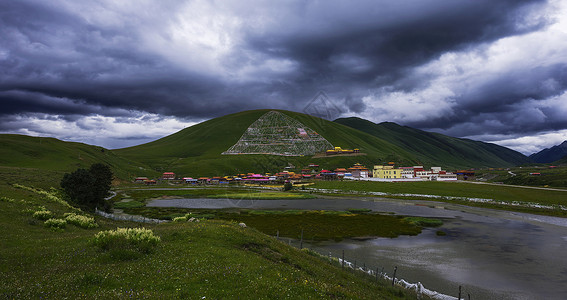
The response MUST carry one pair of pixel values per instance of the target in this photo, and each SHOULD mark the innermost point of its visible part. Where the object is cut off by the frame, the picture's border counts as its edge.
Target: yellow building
(386, 172)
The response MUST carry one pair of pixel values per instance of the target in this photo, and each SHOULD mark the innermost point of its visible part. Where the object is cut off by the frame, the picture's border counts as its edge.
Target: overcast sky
(120, 73)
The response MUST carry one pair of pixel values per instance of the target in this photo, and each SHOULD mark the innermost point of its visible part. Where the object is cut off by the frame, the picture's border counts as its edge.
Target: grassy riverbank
(315, 224)
(513, 198)
(210, 259)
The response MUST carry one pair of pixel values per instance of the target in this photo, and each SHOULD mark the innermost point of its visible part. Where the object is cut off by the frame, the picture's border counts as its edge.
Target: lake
(492, 254)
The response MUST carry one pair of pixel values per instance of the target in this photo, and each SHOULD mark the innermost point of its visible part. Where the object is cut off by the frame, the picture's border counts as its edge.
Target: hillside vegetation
(58, 156)
(196, 150)
(437, 149)
(206, 260)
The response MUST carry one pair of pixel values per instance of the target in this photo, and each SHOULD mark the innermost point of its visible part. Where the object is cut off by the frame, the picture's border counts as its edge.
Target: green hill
(196, 150)
(55, 155)
(437, 149)
(562, 161)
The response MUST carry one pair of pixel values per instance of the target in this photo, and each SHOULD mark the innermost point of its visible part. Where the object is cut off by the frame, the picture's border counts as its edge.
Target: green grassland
(53, 155)
(316, 225)
(550, 177)
(214, 259)
(502, 193)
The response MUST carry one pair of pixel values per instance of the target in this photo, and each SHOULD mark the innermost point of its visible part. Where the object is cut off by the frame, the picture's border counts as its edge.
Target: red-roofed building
(168, 175)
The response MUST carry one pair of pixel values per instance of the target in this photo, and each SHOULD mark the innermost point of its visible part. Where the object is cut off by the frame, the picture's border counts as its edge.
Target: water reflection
(492, 254)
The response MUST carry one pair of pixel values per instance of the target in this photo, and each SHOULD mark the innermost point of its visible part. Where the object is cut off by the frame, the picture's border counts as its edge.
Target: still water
(491, 254)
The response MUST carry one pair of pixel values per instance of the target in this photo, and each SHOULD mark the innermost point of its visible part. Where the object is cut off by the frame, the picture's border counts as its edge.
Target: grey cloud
(54, 62)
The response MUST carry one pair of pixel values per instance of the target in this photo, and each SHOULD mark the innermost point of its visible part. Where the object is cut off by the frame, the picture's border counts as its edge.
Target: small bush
(43, 214)
(180, 219)
(56, 224)
(288, 186)
(6, 199)
(129, 239)
(80, 221)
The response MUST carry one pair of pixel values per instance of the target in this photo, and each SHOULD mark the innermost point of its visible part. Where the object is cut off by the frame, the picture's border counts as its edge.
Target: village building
(407, 172)
(359, 171)
(386, 172)
(339, 150)
(446, 176)
(168, 175)
(203, 180)
(140, 179)
(465, 175)
(190, 180)
(328, 175)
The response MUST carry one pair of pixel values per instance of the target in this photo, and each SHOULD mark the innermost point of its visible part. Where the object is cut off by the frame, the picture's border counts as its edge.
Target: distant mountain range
(196, 150)
(550, 155)
(438, 149)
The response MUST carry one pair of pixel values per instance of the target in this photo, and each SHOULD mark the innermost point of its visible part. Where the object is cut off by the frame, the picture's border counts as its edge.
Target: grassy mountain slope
(58, 156)
(562, 161)
(437, 149)
(196, 150)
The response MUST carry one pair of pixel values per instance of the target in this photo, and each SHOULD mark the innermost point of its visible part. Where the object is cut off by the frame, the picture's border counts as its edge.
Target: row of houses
(389, 172)
(312, 172)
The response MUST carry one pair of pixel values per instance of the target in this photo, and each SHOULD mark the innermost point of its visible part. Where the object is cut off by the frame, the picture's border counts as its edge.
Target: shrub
(56, 223)
(137, 239)
(52, 195)
(43, 214)
(180, 219)
(6, 199)
(80, 221)
(359, 210)
(287, 186)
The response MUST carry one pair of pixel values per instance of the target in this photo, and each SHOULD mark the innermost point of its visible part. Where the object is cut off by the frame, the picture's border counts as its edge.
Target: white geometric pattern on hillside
(278, 134)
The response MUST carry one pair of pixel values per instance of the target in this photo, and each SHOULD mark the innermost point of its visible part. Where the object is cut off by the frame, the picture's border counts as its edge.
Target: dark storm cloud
(97, 71)
(74, 59)
(507, 104)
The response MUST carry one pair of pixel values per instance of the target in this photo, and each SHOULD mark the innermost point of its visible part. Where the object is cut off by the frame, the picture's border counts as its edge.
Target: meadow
(513, 198)
(209, 259)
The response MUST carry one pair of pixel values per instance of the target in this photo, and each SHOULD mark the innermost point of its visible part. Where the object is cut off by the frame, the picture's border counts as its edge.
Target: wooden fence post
(343, 259)
(394, 277)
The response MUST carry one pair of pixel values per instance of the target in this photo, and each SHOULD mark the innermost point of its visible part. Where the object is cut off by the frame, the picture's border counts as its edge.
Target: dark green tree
(103, 179)
(287, 186)
(88, 188)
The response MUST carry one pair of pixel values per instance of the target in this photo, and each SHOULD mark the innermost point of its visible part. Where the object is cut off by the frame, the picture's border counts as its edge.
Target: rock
(242, 225)
(191, 219)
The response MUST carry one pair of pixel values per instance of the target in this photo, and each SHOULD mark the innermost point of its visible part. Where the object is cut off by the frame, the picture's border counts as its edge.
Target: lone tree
(88, 188)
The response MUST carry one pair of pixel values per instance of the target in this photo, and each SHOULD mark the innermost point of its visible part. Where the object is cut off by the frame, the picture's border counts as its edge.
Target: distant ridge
(438, 149)
(47, 153)
(550, 155)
